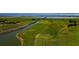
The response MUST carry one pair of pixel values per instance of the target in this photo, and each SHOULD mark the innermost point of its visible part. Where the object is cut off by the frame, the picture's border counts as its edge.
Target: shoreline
(13, 29)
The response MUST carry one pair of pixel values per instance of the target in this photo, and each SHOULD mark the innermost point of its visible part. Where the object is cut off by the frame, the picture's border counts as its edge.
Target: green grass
(52, 32)
(31, 33)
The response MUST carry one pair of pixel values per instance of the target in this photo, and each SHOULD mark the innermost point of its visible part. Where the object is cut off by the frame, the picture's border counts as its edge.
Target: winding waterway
(9, 39)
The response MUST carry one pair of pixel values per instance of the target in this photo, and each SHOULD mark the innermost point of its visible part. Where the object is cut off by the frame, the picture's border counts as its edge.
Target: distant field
(52, 32)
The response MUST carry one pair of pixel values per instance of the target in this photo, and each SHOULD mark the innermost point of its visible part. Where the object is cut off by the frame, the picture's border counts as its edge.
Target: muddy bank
(20, 38)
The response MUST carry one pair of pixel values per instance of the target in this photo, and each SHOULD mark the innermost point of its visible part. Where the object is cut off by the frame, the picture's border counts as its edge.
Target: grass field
(52, 32)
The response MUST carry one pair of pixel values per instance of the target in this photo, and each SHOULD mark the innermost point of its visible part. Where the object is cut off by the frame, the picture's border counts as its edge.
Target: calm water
(41, 14)
(9, 39)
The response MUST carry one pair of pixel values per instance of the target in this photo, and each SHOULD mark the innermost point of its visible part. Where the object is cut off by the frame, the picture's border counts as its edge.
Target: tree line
(5, 21)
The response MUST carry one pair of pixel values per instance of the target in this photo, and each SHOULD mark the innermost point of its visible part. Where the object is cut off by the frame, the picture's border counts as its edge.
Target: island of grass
(52, 32)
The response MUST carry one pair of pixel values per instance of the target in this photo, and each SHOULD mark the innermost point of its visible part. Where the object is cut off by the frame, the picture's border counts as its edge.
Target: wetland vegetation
(39, 31)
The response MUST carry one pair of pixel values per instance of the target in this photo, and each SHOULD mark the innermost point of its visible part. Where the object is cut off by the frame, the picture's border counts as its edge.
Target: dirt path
(63, 29)
(20, 39)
